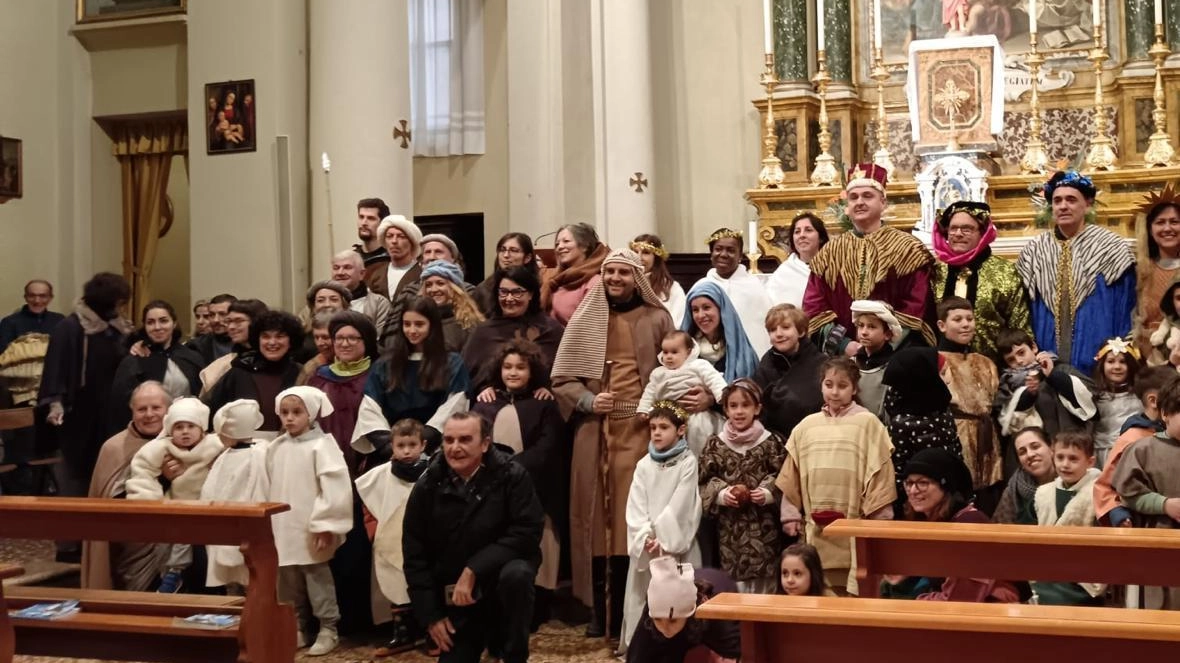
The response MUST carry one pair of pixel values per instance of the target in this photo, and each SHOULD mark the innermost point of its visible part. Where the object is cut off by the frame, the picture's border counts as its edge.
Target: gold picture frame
(11, 169)
(98, 11)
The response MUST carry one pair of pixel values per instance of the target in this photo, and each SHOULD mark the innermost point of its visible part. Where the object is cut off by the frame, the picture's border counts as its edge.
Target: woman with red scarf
(966, 268)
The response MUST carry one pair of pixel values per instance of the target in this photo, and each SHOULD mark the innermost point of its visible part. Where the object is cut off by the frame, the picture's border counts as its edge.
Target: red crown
(867, 174)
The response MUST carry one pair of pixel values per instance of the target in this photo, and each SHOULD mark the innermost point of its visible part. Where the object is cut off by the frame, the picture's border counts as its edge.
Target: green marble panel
(790, 41)
(1172, 19)
(838, 39)
(1140, 28)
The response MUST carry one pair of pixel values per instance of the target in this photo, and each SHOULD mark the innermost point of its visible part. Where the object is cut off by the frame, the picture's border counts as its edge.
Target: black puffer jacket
(482, 525)
(790, 386)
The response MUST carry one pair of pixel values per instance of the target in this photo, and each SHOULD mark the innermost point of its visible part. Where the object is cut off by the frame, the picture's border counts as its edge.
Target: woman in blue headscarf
(713, 322)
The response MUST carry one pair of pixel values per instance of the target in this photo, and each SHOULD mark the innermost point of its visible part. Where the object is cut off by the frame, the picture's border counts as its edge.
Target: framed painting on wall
(230, 117)
(11, 173)
(92, 11)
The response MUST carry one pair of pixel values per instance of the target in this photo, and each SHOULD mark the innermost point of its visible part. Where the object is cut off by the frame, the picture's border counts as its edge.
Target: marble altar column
(359, 79)
(1139, 28)
(791, 44)
(838, 35)
(1172, 19)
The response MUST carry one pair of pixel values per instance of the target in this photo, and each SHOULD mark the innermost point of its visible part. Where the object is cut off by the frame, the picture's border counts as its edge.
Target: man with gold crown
(1080, 278)
(606, 356)
(871, 261)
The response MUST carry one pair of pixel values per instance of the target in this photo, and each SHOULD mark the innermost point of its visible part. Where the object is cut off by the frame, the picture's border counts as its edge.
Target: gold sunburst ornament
(1169, 195)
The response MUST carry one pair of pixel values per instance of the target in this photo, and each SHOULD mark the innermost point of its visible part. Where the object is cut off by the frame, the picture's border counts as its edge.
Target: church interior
(198, 147)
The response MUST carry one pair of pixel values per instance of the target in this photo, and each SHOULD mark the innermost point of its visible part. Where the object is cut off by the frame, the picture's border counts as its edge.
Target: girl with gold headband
(655, 264)
(1118, 363)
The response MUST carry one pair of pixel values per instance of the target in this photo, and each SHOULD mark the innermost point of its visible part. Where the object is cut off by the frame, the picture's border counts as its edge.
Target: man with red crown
(870, 261)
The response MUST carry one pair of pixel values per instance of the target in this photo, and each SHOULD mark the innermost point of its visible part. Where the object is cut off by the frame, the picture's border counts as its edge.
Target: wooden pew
(782, 629)
(266, 633)
(1115, 555)
(7, 647)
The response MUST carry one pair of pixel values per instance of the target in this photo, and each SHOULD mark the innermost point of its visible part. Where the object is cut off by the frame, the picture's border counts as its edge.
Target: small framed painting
(91, 11)
(230, 117)
(11, 173)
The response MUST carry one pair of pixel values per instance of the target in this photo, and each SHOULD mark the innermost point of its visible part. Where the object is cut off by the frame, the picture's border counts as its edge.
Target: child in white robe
(238, 475)
(306, 469)
(185, 440)
(663, 507)
(681, 370)
(384, 490)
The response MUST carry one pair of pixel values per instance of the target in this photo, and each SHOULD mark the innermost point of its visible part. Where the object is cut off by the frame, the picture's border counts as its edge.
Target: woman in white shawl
(806, 237)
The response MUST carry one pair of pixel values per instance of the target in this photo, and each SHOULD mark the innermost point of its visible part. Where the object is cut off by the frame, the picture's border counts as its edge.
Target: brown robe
(973, 383)
(109, 565)
(633, 344)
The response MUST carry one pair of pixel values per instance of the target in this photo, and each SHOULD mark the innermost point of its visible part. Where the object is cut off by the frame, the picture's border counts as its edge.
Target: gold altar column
(358, 97)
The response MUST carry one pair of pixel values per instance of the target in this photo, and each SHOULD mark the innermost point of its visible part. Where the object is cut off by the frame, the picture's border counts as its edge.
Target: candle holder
(753, 257)
(771, 175)
(880, 74)
(1035, 160)
(825, 173)
(1101, 155)
(1159, 150)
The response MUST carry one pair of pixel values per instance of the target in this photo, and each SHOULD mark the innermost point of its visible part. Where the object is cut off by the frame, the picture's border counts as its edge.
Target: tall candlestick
(819, 21)
(1032, 17)
(877, 24)
(1097, 13)
(753, 235)
(768, 34)
(1159, 12)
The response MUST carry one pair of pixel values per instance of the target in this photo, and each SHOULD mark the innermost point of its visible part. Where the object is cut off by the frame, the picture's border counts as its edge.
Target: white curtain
(446, 77)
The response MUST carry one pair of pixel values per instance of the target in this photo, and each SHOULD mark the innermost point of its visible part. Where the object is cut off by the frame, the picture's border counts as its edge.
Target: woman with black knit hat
(938, 489)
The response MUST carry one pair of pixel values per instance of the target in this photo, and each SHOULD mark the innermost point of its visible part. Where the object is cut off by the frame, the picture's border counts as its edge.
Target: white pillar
(359, 66)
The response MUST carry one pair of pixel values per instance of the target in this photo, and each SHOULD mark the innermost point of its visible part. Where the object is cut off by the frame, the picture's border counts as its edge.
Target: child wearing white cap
(306, 469)
(877, 332)
(182, 438)
(238, 475)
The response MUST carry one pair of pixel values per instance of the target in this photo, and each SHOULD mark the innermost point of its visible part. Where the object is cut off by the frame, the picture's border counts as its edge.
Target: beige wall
(476, 183)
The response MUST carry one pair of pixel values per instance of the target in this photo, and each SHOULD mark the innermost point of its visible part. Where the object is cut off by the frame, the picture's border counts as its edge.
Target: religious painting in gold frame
(94, 11)
(11, 169)
(1065, 28)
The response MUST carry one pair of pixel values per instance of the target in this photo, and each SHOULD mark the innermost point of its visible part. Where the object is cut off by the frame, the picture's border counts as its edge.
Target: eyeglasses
(240, 320)
(962, 230)
(511, 250)
(347, 340)
(514, 293)
(917, 485)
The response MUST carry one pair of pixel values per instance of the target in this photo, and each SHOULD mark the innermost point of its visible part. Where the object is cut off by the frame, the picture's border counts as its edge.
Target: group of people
(456, 441)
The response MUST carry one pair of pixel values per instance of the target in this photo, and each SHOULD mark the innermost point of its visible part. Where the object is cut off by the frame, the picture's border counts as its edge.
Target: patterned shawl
(582, 353)
(1096, 252)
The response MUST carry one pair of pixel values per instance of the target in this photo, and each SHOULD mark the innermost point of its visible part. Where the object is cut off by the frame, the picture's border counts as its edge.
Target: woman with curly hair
(655, 264)
(442, 282)
(266, 369)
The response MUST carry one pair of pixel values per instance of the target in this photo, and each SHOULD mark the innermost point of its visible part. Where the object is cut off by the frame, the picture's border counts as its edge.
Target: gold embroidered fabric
(862, 262)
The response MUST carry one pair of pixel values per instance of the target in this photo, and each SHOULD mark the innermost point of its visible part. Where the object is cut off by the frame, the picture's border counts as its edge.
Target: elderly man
(471, 580)
(606, 355)
(872, 261)
(371, 249)
(1080, 278)
(348, 270)
(128, 566)
(32, 318)
(216, 343)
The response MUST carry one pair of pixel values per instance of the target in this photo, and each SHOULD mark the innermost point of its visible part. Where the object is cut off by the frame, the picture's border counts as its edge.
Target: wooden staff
(604, 482)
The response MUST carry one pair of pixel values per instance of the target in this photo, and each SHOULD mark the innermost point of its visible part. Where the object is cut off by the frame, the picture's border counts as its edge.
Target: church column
(1140, 27)
(791, 47)
(609, 125)
(359, 67)
(838, 40)
(1172, 21)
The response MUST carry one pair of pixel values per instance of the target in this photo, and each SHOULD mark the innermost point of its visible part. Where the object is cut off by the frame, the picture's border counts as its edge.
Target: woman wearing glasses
(966, 268)
(513, 250)
(938, 489)
(516, 314)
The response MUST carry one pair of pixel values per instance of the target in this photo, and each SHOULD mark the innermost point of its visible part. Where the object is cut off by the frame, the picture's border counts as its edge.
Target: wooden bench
(820, 628)
(266, 633)
(1115, 555)
(22, 417)
(7, 647)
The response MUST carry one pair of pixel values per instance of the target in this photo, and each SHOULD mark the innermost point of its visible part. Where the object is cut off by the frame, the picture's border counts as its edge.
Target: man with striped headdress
(609, 349)
(872, 261)
(1080, 278)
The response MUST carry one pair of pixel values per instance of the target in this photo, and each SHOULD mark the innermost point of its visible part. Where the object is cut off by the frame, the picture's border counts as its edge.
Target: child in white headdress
(238, 475)
(307, 470)
(183, 438)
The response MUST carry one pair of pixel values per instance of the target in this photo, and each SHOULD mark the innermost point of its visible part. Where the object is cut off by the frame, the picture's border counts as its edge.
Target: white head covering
(412, 231)
(314, 400)
(881, 310)
(671, 594)
(238, 419)
(190, 410)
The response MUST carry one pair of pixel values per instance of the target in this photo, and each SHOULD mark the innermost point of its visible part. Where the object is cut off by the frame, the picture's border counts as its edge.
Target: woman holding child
(714, 324)
(966, 268)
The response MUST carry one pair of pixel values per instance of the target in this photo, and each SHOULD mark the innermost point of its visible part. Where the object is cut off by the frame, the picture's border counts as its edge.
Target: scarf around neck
(942, 249)
(664, 456)
(93, 323)
(573, 277)
(409, 472)
(348, 369)
(742, 441)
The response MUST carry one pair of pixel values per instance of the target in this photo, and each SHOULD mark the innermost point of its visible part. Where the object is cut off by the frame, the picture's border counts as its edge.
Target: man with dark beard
(369, 212)
(216, 343)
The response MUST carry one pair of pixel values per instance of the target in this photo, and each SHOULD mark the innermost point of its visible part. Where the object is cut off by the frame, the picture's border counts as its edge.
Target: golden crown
(680, 412)
(640, 247)
(724, 233)
(1168, 195)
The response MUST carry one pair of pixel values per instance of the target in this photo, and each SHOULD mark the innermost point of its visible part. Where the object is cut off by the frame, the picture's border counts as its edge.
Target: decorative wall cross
(638, 181)
(402, 133)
